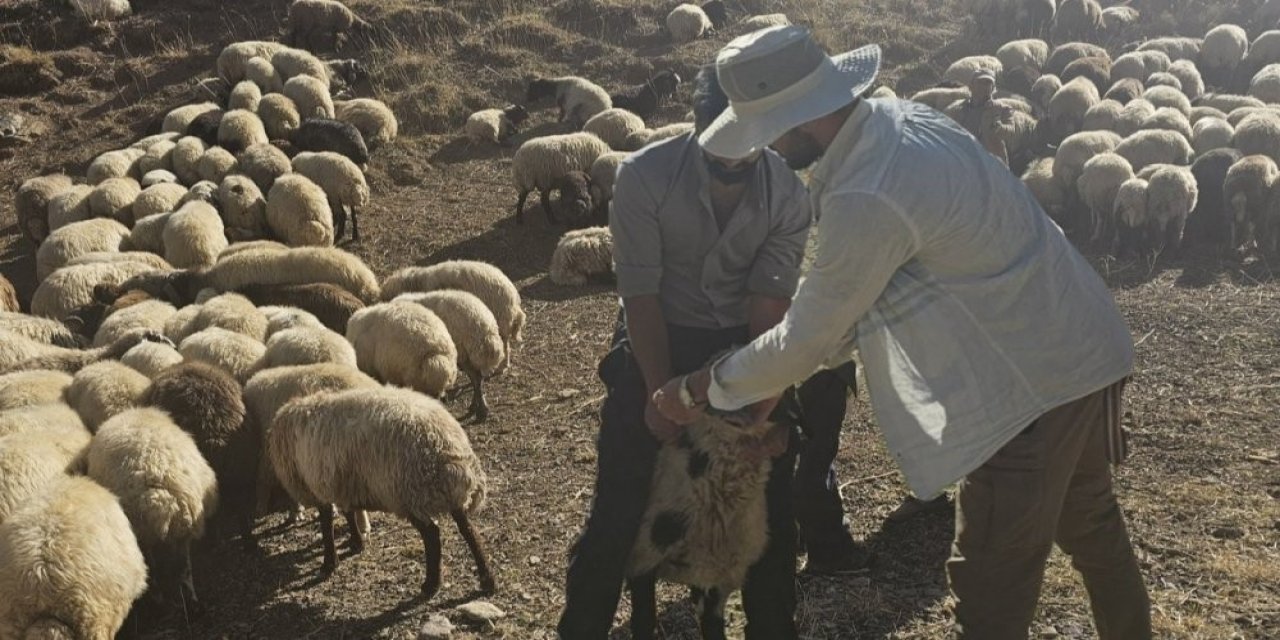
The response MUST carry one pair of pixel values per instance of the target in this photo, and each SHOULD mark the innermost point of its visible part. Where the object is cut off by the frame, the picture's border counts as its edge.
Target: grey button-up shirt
(666, 240)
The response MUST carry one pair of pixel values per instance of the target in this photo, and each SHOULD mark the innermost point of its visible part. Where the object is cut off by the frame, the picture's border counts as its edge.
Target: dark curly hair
(709, 100)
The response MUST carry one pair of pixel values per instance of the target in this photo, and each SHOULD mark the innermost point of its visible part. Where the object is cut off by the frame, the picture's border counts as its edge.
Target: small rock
(1228, 533)
(535, 560)
(437, 627)
(565, 394)
(481, 611)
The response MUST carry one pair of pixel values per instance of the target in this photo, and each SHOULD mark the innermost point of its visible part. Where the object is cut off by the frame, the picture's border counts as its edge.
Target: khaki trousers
(1051, 483)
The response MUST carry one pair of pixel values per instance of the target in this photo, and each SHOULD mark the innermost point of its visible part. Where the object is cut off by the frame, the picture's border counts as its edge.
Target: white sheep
(614, 126)
(1258, 134)
(1265, 85)
(1102, 116)
(603, 173)
(51, 416)
(157, 198)
(291, 63)
(216, 164)
(113, 198)
(151, 358)
(193, 236)
(1068, 106)
(295, 266)
(70, 566)
(281, 318)
(578, 99)
(1131, 217)
(539, 162)
(475, 334)
(1077, 19)
(1176, 47)
(1170, 120)
(688, 22)
(1139, 65)
(1133, 115)
(1247, 192)
(1155, 146)
(1066, 53)
(68, 289)
(1199, 113)
(1225, 47)
(311, 18)
(1164, 79)
(40, 329)
(1047, 191)
(372, 118)
(77, 239)
(1227, 103)
(647, 137)
(481, 279)
(240, 129)
(185, 157)
(1237, 116)
(1171, 196)
(404, 344)
(1211, 133)
(962, 71)
(1075, 151)
(1119, 17)
(158, 157)
(1167, 97)
(105, 389)
(19, 353)
(1189, 79)
(1098, 184)
(166, 489)
(263, 75)
(494, 126)
(70, 205)
(230, 311)
(310, 96)
(263, 163)
(582, 255)
(32, 388)
(342, 182)
(1043, 90)
(298, 212)
(235, 353)
(416, 463)
(232, 59)
(1031, 53)
(244, 209)
(177, 120)
(307, 345)
(148, 314)
(279, 115)
(940, 98)
(1264, 50)
(31, 461)
(31, 204)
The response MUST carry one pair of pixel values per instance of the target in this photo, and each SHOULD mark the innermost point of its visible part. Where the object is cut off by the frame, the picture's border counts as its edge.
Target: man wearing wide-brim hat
(994, 354)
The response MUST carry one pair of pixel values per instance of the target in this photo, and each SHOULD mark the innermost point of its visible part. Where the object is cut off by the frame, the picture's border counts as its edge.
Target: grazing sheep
(1118, 17)
(280, 318)
(475, 335)
(158, 157)
(235, 353)
(1211, 133)
(77, 239)
(244, 96)
(279, 116)
(263, 163)
(103, 390)
(232, 59)
(31, 204)
(418, 464)
(964, 70)
(148, 314)
(1097, 70)
(1169, 120)
(1071, 156)
(309, 345)
(113, 198)
(1131, 217)
(1236, 117)
(614, 126)
(166, 489)
(205, 127)
(1164, 79)
(1133, 115)
(582, 255)
(193, 236)
(1177, 48)
(538, 163)
(1258, 134)
(1139, 65)
(1032, 53)
(688, 22)
(1035, 17)
(574, 199)
(240, 129)
(1068, 106)
(244, 209)
(1247, 192)
(310, 95)
(1189, 79)
(70, 566)
(1207, 223)
(649, 136)
(158, 176)
(39, 329)
(1264, 50)
(1064, 54)
(643, 100)
(32, 460)
(1097, 185)
(151, 358)
(1226, 103)
(330, 304)
(343, 184)
(1265, 85)
(121, 163)
(263, 75)
(216, 164)
(177, 120)
(157, 198)
(1077, 19)
(1167, 97)
(577, 99)
(404, 344)
(319, 134)
(1047, 191)
(68, 289)
(22, 389)
(232, 312)
(1043, 90)
(52, 416)
(1199, 113)
(1225, 47)
(375, 121)
(308, 265)
(1102, 116)
(22, 354)
(68, 206)
(185, 157)
(1171, 196)
(205, 191)
(298, 212)
(495, 126)
(1155, 146)
(291, 63)
(312, 19)
(602, 175)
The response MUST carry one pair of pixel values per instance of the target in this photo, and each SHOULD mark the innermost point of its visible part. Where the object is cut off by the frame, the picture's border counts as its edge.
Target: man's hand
(663, 429)
(667, 399)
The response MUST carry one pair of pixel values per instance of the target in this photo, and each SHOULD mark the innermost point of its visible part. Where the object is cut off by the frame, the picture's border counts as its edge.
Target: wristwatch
(686, 395)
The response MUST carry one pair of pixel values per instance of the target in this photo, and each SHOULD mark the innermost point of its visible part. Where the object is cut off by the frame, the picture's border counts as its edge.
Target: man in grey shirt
(707, 254)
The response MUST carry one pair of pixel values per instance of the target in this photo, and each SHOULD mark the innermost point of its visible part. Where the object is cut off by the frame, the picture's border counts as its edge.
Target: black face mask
(725, 175)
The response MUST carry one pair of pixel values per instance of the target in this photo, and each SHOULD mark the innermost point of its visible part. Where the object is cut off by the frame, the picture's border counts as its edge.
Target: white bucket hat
(779, 78)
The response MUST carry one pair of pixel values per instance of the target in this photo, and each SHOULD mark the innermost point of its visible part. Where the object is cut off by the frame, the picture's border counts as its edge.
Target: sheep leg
(186, 584)
(711, 618)
(644, 606)
(487, 583)
(544, 196)
(339, 219)
(520, 207)
(355, 226)
(431, 544)
(326, 534)
(356, 539)
(479, 408)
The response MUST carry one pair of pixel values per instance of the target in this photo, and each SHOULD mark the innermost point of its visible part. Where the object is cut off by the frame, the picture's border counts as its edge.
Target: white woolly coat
(105, 389)
(310, 96)
(342, 181)
(471, 325)
(76, 239)
(30, 388)
(31, 461)
(581, 255)
(68, 289)
(372, 118)
(614, 126)
(298, 212)
(235, 353)
(303, 265)
(193, 236)
(687, 22)
(540, 161)
(232, 59)
(404, 344)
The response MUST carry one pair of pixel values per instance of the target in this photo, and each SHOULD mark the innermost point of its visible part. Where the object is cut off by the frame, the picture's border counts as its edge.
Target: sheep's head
(351, 71)
(516, 114)
(665, 83)
(575, 196)
(717, 12)
(540, 88)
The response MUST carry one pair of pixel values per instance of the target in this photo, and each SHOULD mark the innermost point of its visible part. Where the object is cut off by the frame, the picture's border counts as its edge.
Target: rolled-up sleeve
(637, 235)
(862, 241)
(775, 272)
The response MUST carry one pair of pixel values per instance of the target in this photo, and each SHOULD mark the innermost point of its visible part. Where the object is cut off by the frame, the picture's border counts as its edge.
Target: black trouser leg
(819, 511)
(769, 597)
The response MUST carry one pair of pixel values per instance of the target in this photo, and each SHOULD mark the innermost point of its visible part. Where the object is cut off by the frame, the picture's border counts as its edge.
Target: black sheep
(323, 134)
(643, 100)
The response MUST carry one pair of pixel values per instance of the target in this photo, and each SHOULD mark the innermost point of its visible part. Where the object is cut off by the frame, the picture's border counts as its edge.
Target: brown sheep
(329, 303)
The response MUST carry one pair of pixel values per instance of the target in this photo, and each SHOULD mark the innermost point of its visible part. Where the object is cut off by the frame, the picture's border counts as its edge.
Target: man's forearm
(647, 331)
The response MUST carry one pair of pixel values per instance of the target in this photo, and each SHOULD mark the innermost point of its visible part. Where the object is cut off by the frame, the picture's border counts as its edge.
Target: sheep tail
(159, 512)
(48, 629)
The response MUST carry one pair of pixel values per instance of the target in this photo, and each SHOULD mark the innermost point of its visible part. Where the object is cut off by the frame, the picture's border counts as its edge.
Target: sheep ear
(75, 324)
(105, 294)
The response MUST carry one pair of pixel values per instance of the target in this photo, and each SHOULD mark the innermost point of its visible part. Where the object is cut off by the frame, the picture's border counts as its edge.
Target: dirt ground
(1202, 491)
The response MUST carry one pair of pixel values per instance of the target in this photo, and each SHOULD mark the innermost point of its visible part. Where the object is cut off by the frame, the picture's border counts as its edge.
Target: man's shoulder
(660, 157)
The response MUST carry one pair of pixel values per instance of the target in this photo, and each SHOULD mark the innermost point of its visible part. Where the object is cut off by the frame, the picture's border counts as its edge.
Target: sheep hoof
(488, 586)
(430, 588)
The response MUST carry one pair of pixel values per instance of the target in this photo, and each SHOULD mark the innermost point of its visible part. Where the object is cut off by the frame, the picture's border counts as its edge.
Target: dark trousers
(626, 456)
(815, 492)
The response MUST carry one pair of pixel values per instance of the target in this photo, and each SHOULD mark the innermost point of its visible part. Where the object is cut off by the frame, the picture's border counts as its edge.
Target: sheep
(1064, 54)
(1177, 48)
(70, 205)
(309, 345)
(232, 59)
(582, 255)
(494, 126)
(193, 236)
(1169, 120)
(1247, 192)
(1155, 146)
(688, 22)
(1171, 196)
(614, 126)
(962, 71)
(1189, 79)
(418, 465)
(177, 120)
(1118, 17)
(298, 212)
(319, 134)
(1131, 217)
(1097, 185)
(70, 566)
(1258, 134)
(1237, 116)
(103, 390)
(1077, 19)
(185, 157)
(235, 353)
(331, 305)
(44, 330)
(1097, 70)
(37, 411)
(31, 204)
(148, 314)
(309, 19)
(244, 209)
(263, 75)
(939, 98)
(474, 331)
(31, 461)
(375, 121)
(1032, 53)
(279, 115)
(22, 354)
(291, 63)
(574, 198)
(1068, 106)
(239, 129)
(113, 198)
(280, 318)
(644, 99)
(1199, 113)
(1034, 17)
(166, 489)
(1139, 65)
(343, 184)
(1071, 156)
(1227, 103)
(151, 358)
(310, 95)
(1206, 224)
(1167, 97)
(404, 344)
(1164, 79)
(232, 312)
(1102, 116)
(647, 137)
(539, 162)
(263, 163)
(1265, 85)
(578, 99)
(306, 265)
(1133, 115)
(1264, 50)
(203, 191)
(602, 175)
(70, 288)
(1047, 191)
(158, 157)
(1043, 90)
(157, 198)
(1125, 90)
(77, 239)
(33, 388)
(121, 163)
(8, 296)
(1211, 133)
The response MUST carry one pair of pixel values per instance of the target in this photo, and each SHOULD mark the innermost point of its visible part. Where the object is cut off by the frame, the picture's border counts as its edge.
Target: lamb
(166, 489)
(1156, 146)
(644, 100)
(157, 198)
(1177, 48)
(71, 205)
(578, 99)
(1167, 97)
(158, 157)
(330, 304)
(539, 162)
(404, 344)
(342, 182)
(76, 239)
(42, 330)
(103, 390)
(614, 126)
(481, 279)
(1077, 19)
(1064, 54)
(475, 335)
(688, 22)
(177, 120)
(1170, 120)
(310, 95)
(419, 465)
(1258, 134)
(1211, 133)
(1171, 196)
(310, 345)
(206, 403)
(244, 209)
(186, 155)
(216, 164)
(1032, 53)
(1068, 106)
(1047, 191)
(70, 288)
(1207, 222)
(235, 353)
(70, 566)
(582, 255)
(31, 204)
(1133, 115)
(963, 70)
(1247, 193)
(263, 75)
(240, 129)
(279, 115)
(1189, 79)
(31, 461)
(313, 19)
(1131, 217)
(232, 59)
(298, 212)
(148, 314)
(375, 121)
(263, 163)
(495, 126)
(151, 358)
(1074, 152)
(31, 389)
(21, 354)
(602, 175)
(319, 134)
